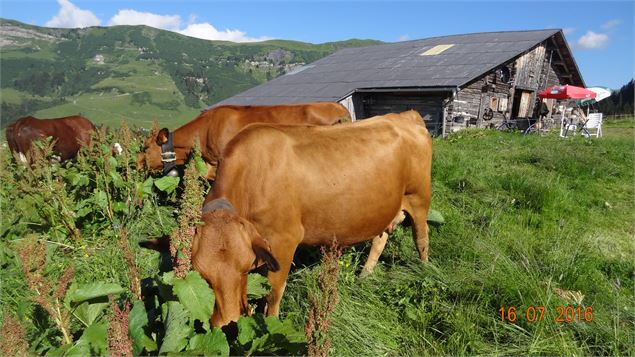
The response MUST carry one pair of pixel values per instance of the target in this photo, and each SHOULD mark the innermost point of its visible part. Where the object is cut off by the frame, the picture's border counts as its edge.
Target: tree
(621, 101)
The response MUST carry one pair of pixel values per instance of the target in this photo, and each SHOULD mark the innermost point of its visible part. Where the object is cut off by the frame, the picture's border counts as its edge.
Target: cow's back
(348, 179)
(318, 113)
(80, 126)
(224, 122)
(68, 133)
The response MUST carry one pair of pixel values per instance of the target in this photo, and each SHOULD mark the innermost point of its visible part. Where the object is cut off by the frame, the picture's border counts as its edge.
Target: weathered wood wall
(533, 71)
(554, 72)
(471, 102)
(349, 104)
(529, 68)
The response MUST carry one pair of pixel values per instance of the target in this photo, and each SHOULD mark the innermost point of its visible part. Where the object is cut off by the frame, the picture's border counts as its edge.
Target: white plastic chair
(567, 126)
(594, 121)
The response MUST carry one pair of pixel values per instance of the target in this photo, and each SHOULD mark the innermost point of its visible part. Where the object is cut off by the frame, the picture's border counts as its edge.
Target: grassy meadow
(531, 222)
(139, 93)
(528, 218)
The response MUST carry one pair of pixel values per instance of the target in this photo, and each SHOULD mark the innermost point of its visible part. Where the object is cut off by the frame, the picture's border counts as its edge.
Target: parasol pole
(562, 127)
(561, 122)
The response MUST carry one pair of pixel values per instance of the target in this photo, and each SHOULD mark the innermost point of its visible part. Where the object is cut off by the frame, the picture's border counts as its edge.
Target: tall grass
(73, 223)
(528, 218)
(531, 221)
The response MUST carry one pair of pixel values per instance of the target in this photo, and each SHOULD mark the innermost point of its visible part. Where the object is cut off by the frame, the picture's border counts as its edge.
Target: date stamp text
(563, 314)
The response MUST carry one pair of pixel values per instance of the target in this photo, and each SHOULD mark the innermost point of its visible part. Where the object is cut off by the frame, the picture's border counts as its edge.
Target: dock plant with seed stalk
(189, 215)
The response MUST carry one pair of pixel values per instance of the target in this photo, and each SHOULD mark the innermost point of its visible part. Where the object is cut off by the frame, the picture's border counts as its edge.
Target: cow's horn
(217, 204)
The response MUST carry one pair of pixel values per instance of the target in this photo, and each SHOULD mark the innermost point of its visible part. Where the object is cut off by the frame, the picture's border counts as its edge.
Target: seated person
(578, 113)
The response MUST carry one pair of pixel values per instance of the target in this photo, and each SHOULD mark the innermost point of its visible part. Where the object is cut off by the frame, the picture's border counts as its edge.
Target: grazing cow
(280, 186)
(214, 128)
(68, 132)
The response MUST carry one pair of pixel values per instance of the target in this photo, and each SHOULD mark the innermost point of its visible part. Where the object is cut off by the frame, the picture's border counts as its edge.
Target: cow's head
(158, 154)
(224, 249)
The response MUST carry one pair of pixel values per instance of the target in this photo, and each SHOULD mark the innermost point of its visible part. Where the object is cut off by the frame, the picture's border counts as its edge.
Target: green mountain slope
(137, 73)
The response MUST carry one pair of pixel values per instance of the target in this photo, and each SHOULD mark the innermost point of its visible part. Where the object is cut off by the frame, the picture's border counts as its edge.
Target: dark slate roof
(395, 65)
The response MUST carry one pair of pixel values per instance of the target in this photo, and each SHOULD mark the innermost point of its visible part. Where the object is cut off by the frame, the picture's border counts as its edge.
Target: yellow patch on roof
(436, 50)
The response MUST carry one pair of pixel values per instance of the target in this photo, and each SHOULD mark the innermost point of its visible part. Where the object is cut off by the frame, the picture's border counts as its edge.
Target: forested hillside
(137, 73)
(620, 102)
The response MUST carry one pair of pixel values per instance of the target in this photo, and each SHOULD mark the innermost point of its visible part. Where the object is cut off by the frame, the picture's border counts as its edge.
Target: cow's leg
(379, 242)
(283, 248)
(278, 280)
(418, 210)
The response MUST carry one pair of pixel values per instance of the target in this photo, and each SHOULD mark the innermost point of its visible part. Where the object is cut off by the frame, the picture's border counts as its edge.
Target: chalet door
(522, 103)
(525, 99)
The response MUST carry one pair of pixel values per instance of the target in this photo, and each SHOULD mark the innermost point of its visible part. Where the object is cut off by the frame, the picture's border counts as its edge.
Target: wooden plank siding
(529, 68)
(429, 105)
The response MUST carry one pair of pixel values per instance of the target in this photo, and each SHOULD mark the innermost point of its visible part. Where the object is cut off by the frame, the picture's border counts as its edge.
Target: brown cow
(68, 132)
(216, 127)
(281, 186)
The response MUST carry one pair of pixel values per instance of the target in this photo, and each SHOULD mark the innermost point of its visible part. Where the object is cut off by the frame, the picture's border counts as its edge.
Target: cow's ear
(263, 254)
(161, 244)
(162, 136)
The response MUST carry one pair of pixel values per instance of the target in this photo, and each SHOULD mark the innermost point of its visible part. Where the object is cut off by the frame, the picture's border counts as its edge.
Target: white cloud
(71, 16)
(206, 31)
(133, 17)
(404, 38)
(203, 30)
(568, 30)
(611, 24)
(592, 40)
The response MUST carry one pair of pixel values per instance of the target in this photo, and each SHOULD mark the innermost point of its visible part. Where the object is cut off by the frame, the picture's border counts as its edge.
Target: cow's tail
(11, 137)
(14, 148)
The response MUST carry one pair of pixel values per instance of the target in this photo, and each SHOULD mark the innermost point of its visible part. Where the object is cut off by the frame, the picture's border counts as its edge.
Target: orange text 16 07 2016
(561, 314)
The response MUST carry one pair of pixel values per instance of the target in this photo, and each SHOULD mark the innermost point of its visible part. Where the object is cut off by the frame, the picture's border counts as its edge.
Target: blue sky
(601, 33)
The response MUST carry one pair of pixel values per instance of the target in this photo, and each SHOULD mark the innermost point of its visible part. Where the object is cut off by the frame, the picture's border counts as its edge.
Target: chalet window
(436, 50)
(493, 103)
(502, 104)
